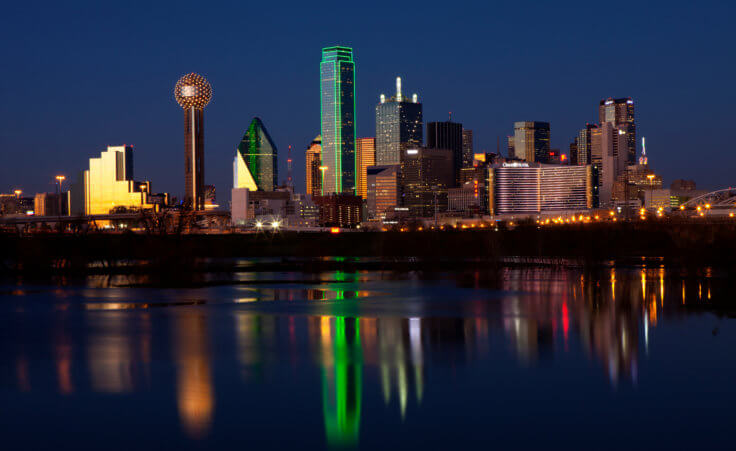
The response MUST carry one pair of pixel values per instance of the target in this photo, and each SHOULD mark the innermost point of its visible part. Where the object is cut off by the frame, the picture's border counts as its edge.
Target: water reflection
(194, 388)
(383, 350)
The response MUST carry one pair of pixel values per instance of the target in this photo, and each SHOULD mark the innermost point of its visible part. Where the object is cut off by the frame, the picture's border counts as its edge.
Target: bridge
(722, 199)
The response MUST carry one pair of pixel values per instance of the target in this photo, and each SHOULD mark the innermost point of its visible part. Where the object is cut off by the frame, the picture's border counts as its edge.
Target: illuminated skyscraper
(337, 86)
(399, 126)
(193, 92)
(255, 166)
(108, 184)
(468, 148)
(314, 160)
(531, 141)
(448, 135)
(365, 155)
(620, 114)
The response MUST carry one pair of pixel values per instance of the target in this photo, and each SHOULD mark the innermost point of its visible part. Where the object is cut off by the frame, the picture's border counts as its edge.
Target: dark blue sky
(77, 76)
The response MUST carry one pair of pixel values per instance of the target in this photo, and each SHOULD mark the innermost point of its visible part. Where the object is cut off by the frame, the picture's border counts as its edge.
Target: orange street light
(18, 192)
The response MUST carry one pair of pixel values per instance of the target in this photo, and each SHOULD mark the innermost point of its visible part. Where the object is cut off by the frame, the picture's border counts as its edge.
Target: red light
(335, 230)
(563, 157)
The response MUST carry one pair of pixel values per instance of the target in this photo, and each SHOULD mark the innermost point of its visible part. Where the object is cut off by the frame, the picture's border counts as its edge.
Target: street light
(18, 192)
(259, 225)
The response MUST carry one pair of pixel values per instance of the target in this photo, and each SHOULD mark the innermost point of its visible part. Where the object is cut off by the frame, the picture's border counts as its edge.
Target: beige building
(314, 160)
(108, 185)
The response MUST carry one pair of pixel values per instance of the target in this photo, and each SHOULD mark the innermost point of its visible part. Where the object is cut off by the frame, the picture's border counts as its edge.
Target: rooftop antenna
(450, 113)
(398, 89)
(643, 157)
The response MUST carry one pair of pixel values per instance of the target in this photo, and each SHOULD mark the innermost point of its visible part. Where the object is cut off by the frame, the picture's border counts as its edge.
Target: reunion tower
(193, 92)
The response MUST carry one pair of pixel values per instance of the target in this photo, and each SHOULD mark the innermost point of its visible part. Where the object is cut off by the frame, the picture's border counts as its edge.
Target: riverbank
(683, 244)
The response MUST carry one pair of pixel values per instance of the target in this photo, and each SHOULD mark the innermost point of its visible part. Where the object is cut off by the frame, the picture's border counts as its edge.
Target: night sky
(78, 76)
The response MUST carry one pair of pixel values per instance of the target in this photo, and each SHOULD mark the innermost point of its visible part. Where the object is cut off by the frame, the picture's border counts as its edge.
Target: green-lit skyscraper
(255, 166)
(337, 107)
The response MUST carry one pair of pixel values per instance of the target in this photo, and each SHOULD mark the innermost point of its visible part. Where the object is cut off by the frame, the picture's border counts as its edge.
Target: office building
(339, 210)
(383, 190)
(108, 185)
(470, 199)
(468, 151)
(337, 87)
(608, 160)
(426, 175)
(365, 156)
(49, 204)
(583, 145)
(448, 135)
(193, 92)
(522, 188)
(511, 151)
(531, 141)
(314, 161)
(255, 166)
(620, 114)
(399, 126)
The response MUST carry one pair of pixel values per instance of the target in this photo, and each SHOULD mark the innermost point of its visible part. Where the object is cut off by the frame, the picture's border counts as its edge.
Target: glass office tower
(620, 113)
(399, 126)
(337, 108)
(255, 166)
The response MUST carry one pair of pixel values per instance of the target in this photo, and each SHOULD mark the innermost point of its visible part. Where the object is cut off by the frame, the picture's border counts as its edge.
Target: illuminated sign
(412, 152)
(515, 165)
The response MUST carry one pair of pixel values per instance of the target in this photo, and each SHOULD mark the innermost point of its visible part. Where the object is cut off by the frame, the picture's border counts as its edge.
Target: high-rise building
(511, 147)
(620, 113)
(193, 92)
(533, 188)
(399, 126)
(531, 141)
(468, 148)
(383, 190)
(426, 175)
(448, 135)
(337, 86)
(608, 159)
(108, 185)
(584, 145)
(314, 161)
(365, 155)
(255, 166)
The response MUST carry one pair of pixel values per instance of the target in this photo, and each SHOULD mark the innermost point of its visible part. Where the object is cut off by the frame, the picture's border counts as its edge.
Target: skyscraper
(584, 145)
(467, 148)
(398, 126)
(337, 86)
(447, 135)
(620, 113)
(426, 175)
(314, 160)
(255, 166)
(608, 160)
(365, 155)
(531, 141)
(193, 92)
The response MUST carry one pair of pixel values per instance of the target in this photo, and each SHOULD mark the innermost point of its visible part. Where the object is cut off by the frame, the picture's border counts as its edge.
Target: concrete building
(532, 141)
(426, 175)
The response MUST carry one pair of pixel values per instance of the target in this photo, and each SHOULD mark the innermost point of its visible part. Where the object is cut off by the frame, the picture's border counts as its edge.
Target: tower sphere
(193, 91)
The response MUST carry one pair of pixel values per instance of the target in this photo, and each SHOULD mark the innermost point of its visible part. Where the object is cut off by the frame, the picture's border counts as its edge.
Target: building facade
(448, 135)
(530, 188)
(531, 141)
(468, 151)
(365, 156)
(339, 210)
(383, 190)
(313, 162)
(255, 166)
(108, 185)
(399, 126)
(426, 175)
(337, 87)
(620, 114)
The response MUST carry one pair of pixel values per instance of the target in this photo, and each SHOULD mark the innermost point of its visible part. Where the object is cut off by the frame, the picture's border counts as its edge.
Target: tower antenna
(289, 180)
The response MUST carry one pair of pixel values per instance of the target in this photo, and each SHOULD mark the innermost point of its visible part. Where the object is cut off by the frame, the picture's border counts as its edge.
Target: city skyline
(146, 118)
